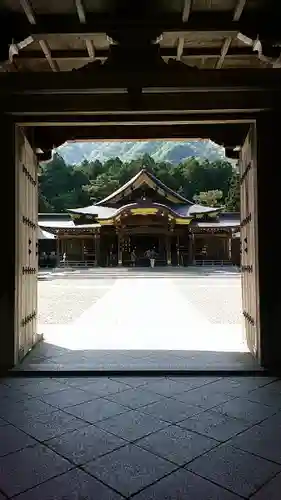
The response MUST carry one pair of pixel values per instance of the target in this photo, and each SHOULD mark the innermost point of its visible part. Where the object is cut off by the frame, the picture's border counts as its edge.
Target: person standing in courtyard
(151, 255)
(133, 257)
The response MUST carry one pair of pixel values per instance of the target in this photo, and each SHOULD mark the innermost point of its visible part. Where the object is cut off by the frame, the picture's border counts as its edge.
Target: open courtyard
(140, 319)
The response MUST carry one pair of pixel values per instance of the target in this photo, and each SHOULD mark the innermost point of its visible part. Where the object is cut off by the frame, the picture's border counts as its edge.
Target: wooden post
(168, 250)
(230, 248)
(58, 251)
(178, 250)
(191, 249)
(119, 249)
(97, 248)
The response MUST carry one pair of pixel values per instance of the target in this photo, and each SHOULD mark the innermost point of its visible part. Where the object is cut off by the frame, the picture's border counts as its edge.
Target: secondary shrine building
(141, 215)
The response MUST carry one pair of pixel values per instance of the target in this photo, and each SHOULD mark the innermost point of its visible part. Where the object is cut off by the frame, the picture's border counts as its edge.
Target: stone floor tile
(12, 439)
(233, 469)
(215, 425)
(2, 422)
(96, 410)
(167, 387)
(269, 395)
(194, 382)
(10, 393)
(49, 425)
(171, 410)
(247, 410)
(134, 398)
(29, 467)
(83, 445)
(136, 381)
(240, 386)
(183, 485)
(15, 411)
(129, 469)
(177, 445)
(103, 387)
(205, 397)
(132, 425)
(72, 485)
(67, 397)
(271, 491)
(39, 388)
(263, 440)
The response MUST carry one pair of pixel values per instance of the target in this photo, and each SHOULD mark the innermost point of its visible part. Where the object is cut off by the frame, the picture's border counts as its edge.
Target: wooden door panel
(27, 246)
(249, 256)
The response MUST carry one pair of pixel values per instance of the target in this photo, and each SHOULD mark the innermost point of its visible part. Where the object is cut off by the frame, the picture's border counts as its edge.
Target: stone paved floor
(186, 438)
(140, 319)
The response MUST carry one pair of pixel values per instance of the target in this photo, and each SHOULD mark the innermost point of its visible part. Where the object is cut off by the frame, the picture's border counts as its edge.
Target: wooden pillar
(178, 250)
(268, 194)
(119, 248)
(168, 250)
(97, 249)
(7, 282)
(229, 242)
(57, 251)
(191, 249)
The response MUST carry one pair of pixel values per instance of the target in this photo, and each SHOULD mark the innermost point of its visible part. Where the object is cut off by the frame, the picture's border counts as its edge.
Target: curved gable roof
(145, 177)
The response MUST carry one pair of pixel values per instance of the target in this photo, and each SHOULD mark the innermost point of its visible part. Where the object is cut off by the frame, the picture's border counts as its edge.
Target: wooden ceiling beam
(82, 18)
(186, 10)
(133, 120)
(227, 42)
(206, 52)
(161, 81)
(43, 44)
(229, 136)
(88, 107)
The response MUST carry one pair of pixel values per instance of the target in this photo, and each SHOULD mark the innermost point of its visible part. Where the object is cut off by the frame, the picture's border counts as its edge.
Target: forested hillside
(62, 186)
(171, 151)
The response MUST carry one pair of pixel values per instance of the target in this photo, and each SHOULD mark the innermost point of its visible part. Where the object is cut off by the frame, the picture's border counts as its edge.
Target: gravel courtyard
(139, 319)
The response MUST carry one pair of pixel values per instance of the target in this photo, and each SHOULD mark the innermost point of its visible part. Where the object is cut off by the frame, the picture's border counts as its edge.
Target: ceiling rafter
(185, 16)
(227, 42)
(43, 43)
(186, 10)
(82, 18)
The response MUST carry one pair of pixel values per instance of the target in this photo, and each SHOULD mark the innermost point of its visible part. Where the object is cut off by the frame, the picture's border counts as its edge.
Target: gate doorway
(252, 342)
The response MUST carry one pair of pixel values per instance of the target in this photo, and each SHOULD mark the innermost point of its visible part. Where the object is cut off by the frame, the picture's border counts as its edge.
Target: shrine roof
(226, 219)
(175, 202)
(144, 177)
(44, 235)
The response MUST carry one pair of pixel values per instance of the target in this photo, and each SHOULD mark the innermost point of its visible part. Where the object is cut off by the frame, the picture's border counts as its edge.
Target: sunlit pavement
(142, 319)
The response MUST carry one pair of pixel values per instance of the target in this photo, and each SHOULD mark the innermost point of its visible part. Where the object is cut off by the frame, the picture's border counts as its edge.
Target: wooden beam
(114, 119)
(227, 42)
(186, 10)
(180, 48)
(173, 103)
(227, 135)
(161, 81)
(82, 19)
(166, 52)
(43, 44)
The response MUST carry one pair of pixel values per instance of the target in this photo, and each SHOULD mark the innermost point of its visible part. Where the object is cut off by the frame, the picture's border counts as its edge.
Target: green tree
(211, 198)
(233, 198)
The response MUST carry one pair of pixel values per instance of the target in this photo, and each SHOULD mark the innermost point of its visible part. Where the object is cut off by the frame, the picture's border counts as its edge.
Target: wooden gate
(26, 247)
(249, 242)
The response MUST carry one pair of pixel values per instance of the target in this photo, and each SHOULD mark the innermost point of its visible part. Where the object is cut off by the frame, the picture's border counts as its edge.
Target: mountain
(171, 151)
